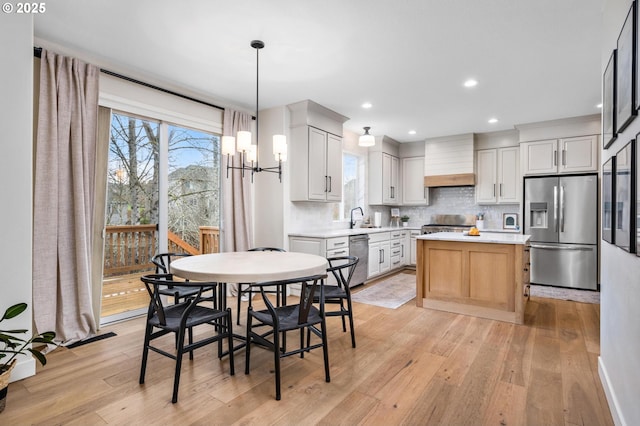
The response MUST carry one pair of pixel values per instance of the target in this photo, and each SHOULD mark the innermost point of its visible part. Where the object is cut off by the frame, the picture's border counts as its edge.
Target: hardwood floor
(412, 366)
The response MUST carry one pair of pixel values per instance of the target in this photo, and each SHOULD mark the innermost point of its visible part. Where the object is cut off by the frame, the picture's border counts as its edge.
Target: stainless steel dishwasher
(359, 246)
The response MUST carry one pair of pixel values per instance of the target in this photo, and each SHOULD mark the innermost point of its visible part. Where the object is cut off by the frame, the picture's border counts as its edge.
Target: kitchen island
(485, 276)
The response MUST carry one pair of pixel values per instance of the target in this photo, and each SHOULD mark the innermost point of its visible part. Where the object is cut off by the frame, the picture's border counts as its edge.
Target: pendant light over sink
(366, 139)
(248, 151)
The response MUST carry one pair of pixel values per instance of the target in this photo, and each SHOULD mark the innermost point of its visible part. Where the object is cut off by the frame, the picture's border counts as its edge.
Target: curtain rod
(37, 52)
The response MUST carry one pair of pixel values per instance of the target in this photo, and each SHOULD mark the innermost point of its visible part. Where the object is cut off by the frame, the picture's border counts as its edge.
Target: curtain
(236, 206)
(64, 197)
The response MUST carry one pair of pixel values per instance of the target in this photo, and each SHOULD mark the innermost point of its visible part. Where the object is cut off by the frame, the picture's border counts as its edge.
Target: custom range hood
(448, 161)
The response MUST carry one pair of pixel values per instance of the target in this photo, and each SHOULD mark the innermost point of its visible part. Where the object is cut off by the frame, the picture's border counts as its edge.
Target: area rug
(584, 296)
(392, 292)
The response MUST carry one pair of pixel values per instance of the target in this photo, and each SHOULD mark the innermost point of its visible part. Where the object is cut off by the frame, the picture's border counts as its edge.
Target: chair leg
(302, 341)
(176, 378)
(239, 303)
(190, 342)
(351, 327)
(276, 359)
(248, 344)
(344, 326)
(325, 350)
(145, 352)
(229, 319)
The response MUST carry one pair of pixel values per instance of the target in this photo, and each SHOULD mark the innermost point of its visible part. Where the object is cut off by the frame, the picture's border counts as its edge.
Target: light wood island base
(484, 276)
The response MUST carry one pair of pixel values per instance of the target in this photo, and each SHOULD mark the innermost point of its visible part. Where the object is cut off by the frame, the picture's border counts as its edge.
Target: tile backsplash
(451, 200)
(445, 200)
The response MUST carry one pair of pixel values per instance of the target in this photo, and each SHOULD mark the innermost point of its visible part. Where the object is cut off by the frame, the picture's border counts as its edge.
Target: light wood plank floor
(412, 366)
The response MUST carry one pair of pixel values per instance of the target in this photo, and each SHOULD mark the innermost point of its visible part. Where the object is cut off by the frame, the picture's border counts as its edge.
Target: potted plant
(11, 346)
(405, 220)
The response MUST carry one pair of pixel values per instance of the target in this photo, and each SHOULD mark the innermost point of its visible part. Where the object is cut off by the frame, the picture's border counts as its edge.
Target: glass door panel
(193, 189)
(131, 215)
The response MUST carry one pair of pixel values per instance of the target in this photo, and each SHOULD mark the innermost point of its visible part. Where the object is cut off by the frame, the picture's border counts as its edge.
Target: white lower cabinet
(325, 247)
(379, 254)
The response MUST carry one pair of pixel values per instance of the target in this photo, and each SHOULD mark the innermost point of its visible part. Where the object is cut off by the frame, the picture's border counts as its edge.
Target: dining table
(247, 267)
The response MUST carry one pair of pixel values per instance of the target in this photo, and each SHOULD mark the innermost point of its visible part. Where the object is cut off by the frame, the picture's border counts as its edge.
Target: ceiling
(534, 60)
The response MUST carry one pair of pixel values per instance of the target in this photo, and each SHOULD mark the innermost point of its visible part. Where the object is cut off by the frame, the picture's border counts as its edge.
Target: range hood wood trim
(464, 179)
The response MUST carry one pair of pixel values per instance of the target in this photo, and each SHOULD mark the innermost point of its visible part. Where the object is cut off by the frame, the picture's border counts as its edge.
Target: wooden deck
(123, 294)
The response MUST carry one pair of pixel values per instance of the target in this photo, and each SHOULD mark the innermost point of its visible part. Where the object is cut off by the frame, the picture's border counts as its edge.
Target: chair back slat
(306, 299)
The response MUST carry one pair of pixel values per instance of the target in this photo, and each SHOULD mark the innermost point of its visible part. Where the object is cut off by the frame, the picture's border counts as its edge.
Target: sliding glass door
(162, 196)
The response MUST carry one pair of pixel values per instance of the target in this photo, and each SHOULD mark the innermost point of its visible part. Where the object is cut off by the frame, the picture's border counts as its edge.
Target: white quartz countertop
(485, 237)
(329, 233)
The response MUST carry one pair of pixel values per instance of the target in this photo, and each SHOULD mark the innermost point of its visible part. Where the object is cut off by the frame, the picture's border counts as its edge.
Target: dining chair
(341, 268)
(179, 292)
(180, 319)
(280, 297)
(265, 326)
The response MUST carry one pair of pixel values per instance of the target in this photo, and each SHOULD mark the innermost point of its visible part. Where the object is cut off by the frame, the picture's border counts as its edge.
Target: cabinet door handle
(564, 157)
(380, 256)
(329, 183)
(501, 190)
(340, 252)
(555, 158)
(326, 183)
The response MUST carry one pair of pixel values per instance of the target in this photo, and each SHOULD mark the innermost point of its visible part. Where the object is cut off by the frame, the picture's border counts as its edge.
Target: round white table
(249, 266)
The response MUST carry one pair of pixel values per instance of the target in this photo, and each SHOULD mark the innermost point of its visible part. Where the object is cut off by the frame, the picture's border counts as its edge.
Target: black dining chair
(179, 292)
(265, 326)
(341, 268)
(245, 288)
(180, 319)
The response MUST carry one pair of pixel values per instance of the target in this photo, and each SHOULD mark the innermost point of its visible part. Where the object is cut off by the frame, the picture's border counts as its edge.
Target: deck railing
(129, 248)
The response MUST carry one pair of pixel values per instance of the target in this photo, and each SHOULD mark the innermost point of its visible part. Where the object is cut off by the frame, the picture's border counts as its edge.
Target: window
(352, 185)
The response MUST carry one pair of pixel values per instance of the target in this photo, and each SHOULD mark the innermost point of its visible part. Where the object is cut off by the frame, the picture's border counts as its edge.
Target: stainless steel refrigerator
(561, 215)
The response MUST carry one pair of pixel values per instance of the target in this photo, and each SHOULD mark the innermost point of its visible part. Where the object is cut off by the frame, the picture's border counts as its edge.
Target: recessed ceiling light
(412, 132)
(599, 106)
(367, 105)
(493, 120)
(470, 83)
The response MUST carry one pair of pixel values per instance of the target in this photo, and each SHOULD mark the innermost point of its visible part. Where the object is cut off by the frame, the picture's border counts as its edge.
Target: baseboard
(23, 369)
(618, 419)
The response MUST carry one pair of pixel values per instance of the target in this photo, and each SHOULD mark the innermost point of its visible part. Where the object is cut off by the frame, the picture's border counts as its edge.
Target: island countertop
(484, 237)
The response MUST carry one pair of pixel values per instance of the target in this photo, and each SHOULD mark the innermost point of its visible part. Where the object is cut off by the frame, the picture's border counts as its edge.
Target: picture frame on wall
(509, 220)
(636, 191)
(609, 102)
(625, 216)
(626, 72)
(608, 200)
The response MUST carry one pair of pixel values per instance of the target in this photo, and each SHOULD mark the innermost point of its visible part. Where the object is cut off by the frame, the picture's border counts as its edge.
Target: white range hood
(448, 161)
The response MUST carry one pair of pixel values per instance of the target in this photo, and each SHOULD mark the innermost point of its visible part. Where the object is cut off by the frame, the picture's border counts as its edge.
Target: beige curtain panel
(64, 194)
(236, 205)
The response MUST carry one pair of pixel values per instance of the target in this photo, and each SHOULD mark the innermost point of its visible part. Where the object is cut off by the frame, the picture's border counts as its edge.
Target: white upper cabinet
(413, 190)
(315, 153)
(384, 173)
(568, 155)
(498, 177)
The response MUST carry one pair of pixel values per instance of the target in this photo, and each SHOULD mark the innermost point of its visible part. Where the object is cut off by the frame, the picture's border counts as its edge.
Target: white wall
(16, 109)
(620, 286)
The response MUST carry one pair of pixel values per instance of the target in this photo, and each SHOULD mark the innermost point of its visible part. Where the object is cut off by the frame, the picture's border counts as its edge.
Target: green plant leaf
(14, 311)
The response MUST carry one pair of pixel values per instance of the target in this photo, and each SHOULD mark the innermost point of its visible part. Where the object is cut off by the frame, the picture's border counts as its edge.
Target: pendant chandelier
(242, 141)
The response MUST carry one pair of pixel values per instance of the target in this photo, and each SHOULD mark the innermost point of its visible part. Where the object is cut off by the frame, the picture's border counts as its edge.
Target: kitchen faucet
(352, 223)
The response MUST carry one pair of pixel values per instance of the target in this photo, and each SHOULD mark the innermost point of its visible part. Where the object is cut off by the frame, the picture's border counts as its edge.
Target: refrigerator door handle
(555, 208)
(561, 208)
(546, 247)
